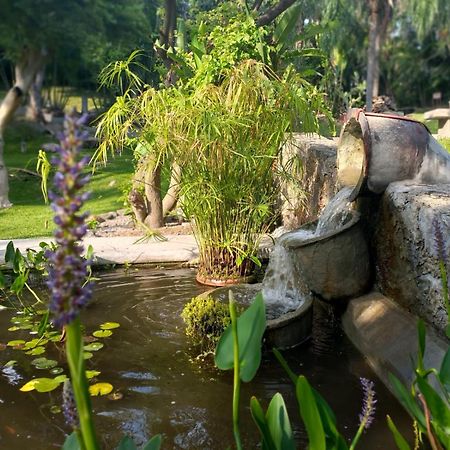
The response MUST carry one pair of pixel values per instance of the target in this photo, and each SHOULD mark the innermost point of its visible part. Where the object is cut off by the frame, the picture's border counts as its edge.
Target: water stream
(284, 288)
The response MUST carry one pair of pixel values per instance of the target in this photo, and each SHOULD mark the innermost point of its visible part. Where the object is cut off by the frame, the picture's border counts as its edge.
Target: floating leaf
(109, 325)
(87, 355)
(36, 351)
(10, 363)
(95, 346)
(100, 389)
(34, 343)
(55, 409)
(102, 333)
(61, 378)
(56, 370)
(16, 343)
(14, 328)
(92, 373)
(54, 337)
(41, 385)
(44, 363)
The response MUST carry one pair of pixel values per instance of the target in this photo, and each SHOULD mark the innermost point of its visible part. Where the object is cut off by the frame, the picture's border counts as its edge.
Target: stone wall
(407, 262)
(310, 161)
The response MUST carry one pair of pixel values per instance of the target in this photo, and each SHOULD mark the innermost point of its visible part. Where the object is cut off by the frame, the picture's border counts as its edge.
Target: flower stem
(75, 358)
(237, 379)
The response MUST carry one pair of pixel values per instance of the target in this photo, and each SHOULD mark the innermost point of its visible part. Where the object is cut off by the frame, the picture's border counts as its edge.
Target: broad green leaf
(407, 400)
(87, 355)
(94, 346)
(100, 389)
(260, 420)
(444, 373)
(400, 441)
(102, 333)
(154, 443)
(251, 325)
(41, 385)
(19, 262)
(279, 424)
(71, 442)
(126, 443)
(61, 378)
(56, 370)
(18, 284)
(10, 252)
(310, 414)
(109, 325)
(439, 409)
(44, 363)
(10, 363)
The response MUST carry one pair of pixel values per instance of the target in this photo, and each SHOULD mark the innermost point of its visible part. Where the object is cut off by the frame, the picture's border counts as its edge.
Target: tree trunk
(171, 197)
(152, 179)
(372, 53)
(271, 14)
(35, 102)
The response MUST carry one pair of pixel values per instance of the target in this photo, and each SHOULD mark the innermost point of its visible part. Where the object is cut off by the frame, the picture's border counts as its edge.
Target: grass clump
(206, 319)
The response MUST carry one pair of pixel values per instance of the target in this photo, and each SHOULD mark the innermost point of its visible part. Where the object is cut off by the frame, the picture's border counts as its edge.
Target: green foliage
(205, 319)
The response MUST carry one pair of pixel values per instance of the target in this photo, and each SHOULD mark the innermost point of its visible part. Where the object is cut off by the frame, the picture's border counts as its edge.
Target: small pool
(157, 389)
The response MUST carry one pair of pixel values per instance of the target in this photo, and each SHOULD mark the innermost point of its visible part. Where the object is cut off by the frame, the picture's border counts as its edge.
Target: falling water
(284, 288)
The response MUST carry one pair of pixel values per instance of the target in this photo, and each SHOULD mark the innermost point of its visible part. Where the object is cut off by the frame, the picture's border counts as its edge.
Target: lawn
(30, 216)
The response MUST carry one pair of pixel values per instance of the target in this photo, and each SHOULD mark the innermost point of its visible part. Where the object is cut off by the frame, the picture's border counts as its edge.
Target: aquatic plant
(206, 320)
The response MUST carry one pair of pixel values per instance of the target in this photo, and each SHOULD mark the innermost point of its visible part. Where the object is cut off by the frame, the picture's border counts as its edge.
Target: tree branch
(271, 14)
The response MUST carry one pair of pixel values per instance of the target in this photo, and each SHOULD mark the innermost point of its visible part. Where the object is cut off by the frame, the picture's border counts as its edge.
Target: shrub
(206, 319)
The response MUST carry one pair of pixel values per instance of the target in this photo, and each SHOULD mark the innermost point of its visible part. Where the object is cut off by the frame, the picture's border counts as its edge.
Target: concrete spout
(375, 150)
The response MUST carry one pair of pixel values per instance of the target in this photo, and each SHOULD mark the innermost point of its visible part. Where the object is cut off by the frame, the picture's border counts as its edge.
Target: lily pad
(10, 363)
(109, 325)
(54, 337)
(34, 343)
(56, 370)
(100, 389)
(102, 333)
(44, 363)
(14, 328)
(16, 343)
(95, 346)
(55, 409)
(41, 385)
(87, 355)
(92, 373)
(36, 351)
(61, 378)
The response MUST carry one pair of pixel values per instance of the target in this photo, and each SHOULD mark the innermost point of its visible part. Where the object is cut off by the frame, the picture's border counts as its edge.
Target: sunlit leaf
(61, 378)
(14, 328)
(56, 370)
(95, 346)
(10, 363)
(87, 355)
(279, 424)
(36, 351)
(16, 343)
(41, 385)
(102, 333)
(92, 373)
(100, 389)
(109, 325)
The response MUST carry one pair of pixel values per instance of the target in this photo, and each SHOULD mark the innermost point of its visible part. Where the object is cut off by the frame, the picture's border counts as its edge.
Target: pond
(157, 387)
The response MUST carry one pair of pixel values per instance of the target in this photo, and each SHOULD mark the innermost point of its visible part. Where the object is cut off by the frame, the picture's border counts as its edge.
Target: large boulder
(311, 162)
(406, 247)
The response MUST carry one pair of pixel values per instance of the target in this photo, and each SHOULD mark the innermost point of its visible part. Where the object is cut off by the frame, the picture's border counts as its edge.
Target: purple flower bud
(67, 270)
(369, 403)
(68, 406)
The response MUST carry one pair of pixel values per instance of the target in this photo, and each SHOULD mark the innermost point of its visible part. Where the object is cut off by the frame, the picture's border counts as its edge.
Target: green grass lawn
(30, 216)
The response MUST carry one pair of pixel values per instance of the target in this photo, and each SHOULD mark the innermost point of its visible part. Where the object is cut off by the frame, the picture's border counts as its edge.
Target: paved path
(125, 249)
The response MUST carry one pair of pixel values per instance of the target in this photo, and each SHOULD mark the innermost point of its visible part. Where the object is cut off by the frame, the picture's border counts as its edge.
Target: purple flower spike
(68, 406)
(67, 269)
(369, 403)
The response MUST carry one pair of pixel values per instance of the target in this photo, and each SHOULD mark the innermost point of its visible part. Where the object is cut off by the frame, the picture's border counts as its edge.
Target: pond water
(148, 361)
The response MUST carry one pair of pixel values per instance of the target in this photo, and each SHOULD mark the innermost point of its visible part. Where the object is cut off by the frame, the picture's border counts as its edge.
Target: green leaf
(44, 363)
(154, 443)
(36, 351)
(260, 420)
(109, 325)
(127, 444)
(18, 284)
(10, 252)
(43, 323)
(421, 331)
(19, 262)
(16, 343)
(444, 373)
(439, 409)
(279, 424)
(92, 373)
(71, 442)
(399, 439)
(2, 280)
(94, 346)
(408, 401)
(286, 25)
(102, 333)
(41, 385)
(310, 414)
(251, 325)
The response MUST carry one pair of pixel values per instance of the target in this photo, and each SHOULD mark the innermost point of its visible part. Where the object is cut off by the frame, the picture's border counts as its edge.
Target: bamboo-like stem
(237, 379)
(75, 359)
